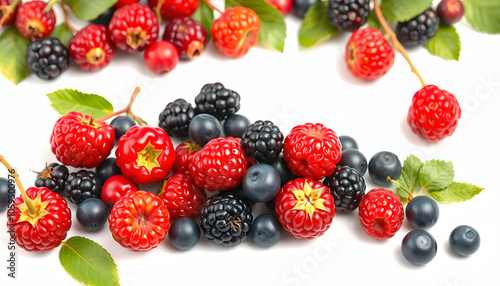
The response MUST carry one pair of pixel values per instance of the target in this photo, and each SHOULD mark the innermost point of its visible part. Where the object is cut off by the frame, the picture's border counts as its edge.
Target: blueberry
(419, 247)
(104, 18)
(261, 183)
(235, 125)
(382, 165)
(4, 194)
(281, 167)
(354, 159)
(266, 230)
(239, 192)
(92, 214)
(422, 212)
(348, 142)
(300, 7)
(107, 169)
(184, 233)
(464, 240)
(121, 124)
(203, 128)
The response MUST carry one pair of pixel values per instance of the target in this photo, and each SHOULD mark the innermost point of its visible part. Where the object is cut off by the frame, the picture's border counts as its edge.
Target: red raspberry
(91, 48)
(121, 3)
(434, 113)
(220, 165)
(133, 28)
(145, 154)
(46, 227)
(368, 54)
(32, 22)
(182, 197)
(170, 9)
(139, 221)
(381, 213)
(79, 141)
(184, 154)
(236, 31)
(187, 35)
(7, 14)
(312, 150)
(305, 208)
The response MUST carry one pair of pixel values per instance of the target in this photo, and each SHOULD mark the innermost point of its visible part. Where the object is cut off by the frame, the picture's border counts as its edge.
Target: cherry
(284, 6)
(161, 57)
(117, 187)
(450, 11)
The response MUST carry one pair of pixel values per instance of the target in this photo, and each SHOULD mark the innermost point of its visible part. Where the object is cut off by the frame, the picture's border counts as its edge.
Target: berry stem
(395, 41)
(32, 209)
(66, 19)
(127, 109)
(211, 5)
(7, 10)
(49, 5)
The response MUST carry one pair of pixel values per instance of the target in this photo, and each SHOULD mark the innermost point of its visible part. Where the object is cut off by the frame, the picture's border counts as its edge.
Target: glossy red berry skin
(121, 3)
(219, 166)
(434, 113)
(50, 230)
(450, 11)
(187, 35)
(133, 28)
(182, 196)
(161, 57)
(312, 150)
(139, 221)
(184, 154)
(368, 54)
(284, 6)
(32, 22)
(170, 9)
(7, 15)
(91, 47)
(145, 154)
(115, 188)
(236, 31)
(381, 213)
(78, 141)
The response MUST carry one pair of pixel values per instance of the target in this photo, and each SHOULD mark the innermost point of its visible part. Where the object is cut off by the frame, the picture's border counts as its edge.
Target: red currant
(161, 57)
(115, 188)
(284, 6)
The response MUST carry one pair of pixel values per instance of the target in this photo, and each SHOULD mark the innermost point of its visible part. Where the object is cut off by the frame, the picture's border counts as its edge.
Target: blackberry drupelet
(175, 118)
(53, 177)
(348, 15)
(418, 30)
(347, 187)
(82, 185)
(262, 140)
(47, 57)
(226, 219)
(218, 101)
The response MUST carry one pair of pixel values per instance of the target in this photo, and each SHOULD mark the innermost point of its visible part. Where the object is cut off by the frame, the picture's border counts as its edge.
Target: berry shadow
(398, 256)
(351, 221)
(345, 74)
(409, 135)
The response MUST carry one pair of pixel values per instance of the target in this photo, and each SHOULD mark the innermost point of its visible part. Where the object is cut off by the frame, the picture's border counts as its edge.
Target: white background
(301, 85)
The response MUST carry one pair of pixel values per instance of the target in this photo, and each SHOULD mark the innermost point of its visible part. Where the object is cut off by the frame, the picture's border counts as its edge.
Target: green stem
(49, 5)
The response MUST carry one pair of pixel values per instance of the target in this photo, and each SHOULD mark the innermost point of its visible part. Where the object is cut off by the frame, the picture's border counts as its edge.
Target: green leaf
(63, 33)
(484, 15)
(67, 100)
(456, 192)
(13, 55)
(88, 262)
(205, 15)
(272, 24)
(372, 20)
(89, 9)
(446, 44)
(316, 26)
(407, 181)
(436, 175)
(403, 10)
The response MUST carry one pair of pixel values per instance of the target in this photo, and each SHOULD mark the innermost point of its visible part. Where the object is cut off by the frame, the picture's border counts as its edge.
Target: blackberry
(47, 57)
(347, 187)
(418, 30)
(262, 140)
(226, 219)
(175, 118)
(82, 185)
(218, 101)
(53, 177)
(348, 15)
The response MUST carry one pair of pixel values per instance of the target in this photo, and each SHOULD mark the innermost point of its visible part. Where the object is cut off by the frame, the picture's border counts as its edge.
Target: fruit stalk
(211, 5)
(7, 10)
(127, 109)
(66, 20)
(32, 209)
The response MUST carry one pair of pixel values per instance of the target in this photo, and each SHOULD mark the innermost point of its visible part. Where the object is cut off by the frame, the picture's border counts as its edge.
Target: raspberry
(381, 213)
(82, 185)
(217, 100)
(133, 28)
(121, 3)
(170, 9)
(79, 141)
(7, 14)
(139, 221)
(236, 31)
(220, 165)
(418, 30)
(347, 187)
(175, 118)
(263, 141)
(188, 36)
(368, 54)
(226, 219)
(53, 177)
(348, 15)
(312, 150)
(47, 57)
(305, 208)
(434, 113)
(182, 197)
(184, 154)
(33, 22)
(91, 47)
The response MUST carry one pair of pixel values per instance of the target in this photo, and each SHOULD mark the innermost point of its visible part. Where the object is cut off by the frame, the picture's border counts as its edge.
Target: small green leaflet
(436, 175)
(456, 192)
(484, 15)
(403, 10)
(446, 44)
(372, 21)
(407, 181)
(205, 15)
(63, 33)
(13, 55)
(89, 9)
(88, 262)
(67, 100)
(316, 26)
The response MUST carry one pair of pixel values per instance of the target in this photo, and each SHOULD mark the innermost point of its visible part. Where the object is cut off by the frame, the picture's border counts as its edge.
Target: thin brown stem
(127, 109)
(66, 19)
(32, 209)
(211, 5)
